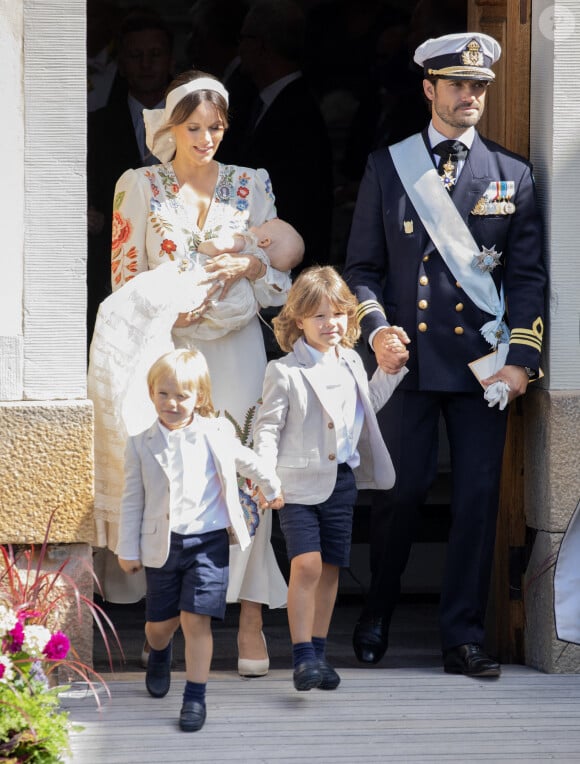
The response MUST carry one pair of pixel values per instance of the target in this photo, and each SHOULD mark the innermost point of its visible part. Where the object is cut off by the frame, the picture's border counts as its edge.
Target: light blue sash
(448, 232)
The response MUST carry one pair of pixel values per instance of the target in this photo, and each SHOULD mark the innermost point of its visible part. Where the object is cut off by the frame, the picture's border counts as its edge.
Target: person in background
(116, 137)
(285, 132)
(213, 46)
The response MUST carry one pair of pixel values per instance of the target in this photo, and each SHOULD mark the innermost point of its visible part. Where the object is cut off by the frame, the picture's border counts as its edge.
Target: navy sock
(319, 644)
(160, 656)
(194, 691)
(302, 651)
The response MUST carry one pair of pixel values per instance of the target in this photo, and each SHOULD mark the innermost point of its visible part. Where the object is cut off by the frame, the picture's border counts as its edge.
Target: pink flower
(25, 615)
(17, 638)
(2, 670)
(57, 647)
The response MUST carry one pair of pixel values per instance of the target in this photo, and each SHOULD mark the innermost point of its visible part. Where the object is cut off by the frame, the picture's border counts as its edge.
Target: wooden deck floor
(376, 715)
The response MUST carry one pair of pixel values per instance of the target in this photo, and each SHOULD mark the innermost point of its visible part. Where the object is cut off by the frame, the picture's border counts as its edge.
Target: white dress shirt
(197, 504)
(343, 403)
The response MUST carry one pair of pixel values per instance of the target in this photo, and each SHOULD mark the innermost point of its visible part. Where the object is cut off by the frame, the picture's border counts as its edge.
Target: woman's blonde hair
(190, 102)
(305, 295)
(189, 369)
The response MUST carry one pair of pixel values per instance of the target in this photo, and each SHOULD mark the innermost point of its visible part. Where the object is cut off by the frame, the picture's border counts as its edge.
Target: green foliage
(244, 431)
(33, 728)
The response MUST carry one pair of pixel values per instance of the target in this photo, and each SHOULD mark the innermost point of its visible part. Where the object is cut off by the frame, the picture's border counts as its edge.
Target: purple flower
(38, 675)
(57, 647)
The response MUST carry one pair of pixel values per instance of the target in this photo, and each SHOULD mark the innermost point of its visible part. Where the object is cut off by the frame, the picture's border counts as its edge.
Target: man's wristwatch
(530, 372)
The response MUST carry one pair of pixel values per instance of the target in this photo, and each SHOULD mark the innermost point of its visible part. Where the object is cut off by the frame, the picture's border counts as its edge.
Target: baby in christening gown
(135, 324)
(275, 242)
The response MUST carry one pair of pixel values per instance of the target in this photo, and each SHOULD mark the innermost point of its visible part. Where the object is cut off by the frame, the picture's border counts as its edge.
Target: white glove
(497, 392)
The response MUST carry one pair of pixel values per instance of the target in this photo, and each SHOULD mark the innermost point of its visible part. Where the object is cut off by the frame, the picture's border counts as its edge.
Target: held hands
(263, 503)
(390, 351)
(130, 566)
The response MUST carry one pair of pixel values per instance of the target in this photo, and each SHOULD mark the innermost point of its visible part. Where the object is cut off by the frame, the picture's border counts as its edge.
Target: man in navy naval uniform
(445, 253)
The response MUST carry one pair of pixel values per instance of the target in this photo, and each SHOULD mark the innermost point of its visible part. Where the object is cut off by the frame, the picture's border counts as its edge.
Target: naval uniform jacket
(400, 278)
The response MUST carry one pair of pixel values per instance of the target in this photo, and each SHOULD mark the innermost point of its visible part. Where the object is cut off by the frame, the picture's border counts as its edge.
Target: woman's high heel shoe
(249, 667)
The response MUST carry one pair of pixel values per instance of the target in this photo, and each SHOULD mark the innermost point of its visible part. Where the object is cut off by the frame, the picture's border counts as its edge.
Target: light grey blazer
(295, 432)
(145, 525)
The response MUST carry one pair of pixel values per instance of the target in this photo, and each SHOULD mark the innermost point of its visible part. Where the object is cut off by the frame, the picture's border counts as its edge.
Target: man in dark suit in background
(446, 243)
(286, 133)
(116, 138)
(213, 46)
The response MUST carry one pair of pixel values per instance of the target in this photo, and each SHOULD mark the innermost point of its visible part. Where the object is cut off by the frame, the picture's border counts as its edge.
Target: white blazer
(145, 524)
(295, 431)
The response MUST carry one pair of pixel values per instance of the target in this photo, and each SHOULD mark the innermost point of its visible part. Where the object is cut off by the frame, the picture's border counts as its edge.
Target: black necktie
(451, 152)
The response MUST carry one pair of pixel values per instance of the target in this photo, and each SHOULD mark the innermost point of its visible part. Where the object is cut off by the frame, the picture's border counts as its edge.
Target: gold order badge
(472, 55)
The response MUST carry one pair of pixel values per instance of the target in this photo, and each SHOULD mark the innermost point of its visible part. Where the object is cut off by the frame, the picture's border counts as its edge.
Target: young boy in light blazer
(180, 498)
(317, 425)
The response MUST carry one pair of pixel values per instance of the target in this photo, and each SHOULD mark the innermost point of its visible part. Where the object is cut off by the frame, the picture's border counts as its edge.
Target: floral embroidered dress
(152, 227)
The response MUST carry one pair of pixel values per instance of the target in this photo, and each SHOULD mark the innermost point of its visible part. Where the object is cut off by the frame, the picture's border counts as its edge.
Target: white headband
(164, 147)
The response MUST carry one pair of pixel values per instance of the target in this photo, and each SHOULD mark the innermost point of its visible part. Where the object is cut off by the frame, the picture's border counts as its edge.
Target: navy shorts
(194, 577)
(324, 527)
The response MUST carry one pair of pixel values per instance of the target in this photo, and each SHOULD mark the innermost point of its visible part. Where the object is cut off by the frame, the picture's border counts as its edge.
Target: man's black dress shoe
(370, 640)
(192, 716)
(307, 675)
(158, 677)
(330, 679)
(470, 660)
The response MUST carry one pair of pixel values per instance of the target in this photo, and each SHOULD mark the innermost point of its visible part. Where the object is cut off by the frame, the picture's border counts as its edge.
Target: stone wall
(552, 474)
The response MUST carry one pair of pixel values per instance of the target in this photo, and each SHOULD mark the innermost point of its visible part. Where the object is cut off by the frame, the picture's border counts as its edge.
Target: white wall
(555, 152)
(55, 200)
(12, 207)
(43, 210)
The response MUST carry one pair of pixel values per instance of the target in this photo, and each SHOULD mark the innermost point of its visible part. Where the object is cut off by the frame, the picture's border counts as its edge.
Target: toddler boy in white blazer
(180, 499)
(317, 425)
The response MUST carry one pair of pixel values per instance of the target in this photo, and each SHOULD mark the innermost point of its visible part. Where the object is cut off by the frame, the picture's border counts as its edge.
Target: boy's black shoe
(192, 716)
(307, 675)
(158, 677)
(330, 679)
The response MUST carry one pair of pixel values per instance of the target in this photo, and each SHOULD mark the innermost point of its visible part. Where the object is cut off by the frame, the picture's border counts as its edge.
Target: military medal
(487, 259)
(496, 199)
(448, 178)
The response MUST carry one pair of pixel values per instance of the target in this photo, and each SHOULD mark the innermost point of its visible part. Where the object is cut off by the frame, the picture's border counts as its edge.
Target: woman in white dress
(161, 213)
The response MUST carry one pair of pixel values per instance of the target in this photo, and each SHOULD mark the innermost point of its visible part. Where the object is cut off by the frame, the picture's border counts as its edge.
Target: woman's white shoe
(249, 667)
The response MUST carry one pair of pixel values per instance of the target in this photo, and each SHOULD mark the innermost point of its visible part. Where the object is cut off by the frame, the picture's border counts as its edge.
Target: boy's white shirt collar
(324, 358)
(180, 432)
